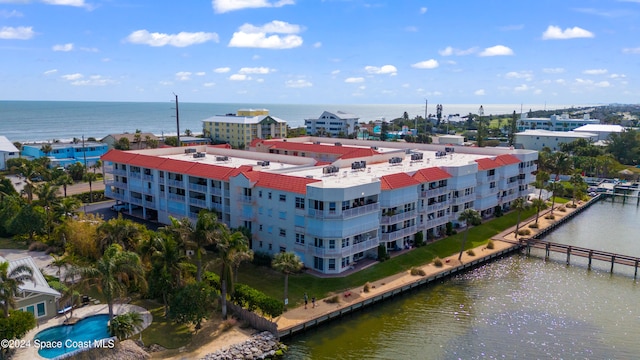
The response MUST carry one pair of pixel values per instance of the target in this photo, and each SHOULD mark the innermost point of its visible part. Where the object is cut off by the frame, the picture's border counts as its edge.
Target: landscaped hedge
(252, 299)
(98, 195)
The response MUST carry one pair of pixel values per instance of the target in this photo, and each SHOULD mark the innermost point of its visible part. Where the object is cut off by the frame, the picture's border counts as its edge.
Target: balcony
(491, 178)
(216, 191)
(436, 206)
(434, 192)
(343, 251)
(119, 172)
(198, 202)
(198, 187)
(462, 199)
(435, 222)
(176, 197)
(135, 175)
(135, 201)
(399, 234)
(509, 197)
(175, 183)
(149, 204)
(345, 214)
(398, 217)
(147, 177)
(245, 199)
(216, 207)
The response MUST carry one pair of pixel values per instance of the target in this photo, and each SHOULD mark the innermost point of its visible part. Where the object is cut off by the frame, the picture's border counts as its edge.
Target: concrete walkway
(30, 352)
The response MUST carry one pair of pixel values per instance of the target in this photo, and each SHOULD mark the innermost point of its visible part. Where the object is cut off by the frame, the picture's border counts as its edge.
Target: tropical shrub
(491, 245)
(332, 300)
(418, 239)
(417, 272)
(524, 232)
(438, 262)
(470, 252)
(533, 226)
(367, 287)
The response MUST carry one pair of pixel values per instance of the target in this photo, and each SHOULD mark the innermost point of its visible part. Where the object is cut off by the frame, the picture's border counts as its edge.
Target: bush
(449, 229)
(491, 244)
(252, 299)
(524, 232)
(382, 253)
(418, 239)
(533, 226)
(333, 299)
(366, 287)
(38, 246)
(261, 258)
(550, 217)
(562, 209)
(438, 262)
(417, 272)
(470, 252)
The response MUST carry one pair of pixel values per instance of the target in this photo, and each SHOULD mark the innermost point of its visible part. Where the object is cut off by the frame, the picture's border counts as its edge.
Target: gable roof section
(487, 164)
(431, 174)
(507, 159)
(7, 146)
(289, 183)
(39, 285)
(209, 171)
(397, 181)
(343, 151)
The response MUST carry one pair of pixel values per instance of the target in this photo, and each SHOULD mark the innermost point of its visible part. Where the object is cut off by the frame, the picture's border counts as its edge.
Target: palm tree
(541, 179)
(137, 137)
(97, 165)
(28, 171)
(229, 246)
(287, 263)
(560, 164)
(10, 282)
(67, 207)
(46, 149)
(47, 194)
(519, 205)
(90, 178)
(64, 180)
(554, 187)
(167, 265)
(579, 185)
(125, 325)
(123, 232)
(469, 216)
(539, 204)
(59, 262)
(205, 233)
(112, 273)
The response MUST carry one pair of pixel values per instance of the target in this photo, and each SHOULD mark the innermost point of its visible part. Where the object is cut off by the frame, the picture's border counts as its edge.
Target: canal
(518, 307)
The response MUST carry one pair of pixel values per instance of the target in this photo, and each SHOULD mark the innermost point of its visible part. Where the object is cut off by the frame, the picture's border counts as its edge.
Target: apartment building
(332, 124)
(331, 202)
(241, 128)
(65, 154)
(554, 123)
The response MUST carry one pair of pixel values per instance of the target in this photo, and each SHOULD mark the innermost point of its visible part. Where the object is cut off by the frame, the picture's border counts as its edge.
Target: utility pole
(426, 106)
(177, 120)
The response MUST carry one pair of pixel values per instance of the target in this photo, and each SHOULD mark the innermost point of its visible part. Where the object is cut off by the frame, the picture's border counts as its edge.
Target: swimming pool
(63, 339)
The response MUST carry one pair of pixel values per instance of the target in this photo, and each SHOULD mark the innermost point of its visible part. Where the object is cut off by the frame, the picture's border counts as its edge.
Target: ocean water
(37, 121)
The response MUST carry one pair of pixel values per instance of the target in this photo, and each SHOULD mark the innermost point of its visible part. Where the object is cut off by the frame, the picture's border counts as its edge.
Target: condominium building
(241, 128)
(332, 124)
(65, 154)
(330, 201)
(554, 123)
(539, 139)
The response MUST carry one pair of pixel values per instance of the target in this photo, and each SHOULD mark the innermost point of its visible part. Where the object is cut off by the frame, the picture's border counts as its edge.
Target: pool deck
(30, 352)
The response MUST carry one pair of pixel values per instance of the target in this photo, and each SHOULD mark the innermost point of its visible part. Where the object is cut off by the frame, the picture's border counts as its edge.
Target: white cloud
(556, 33)
(180, 39)
(183, 75)
(631, 50)
(300, 83)
(72, 77)
(353, 80)
(537, 91)
(94, 50)
(222, 6)
(522, 87)
(528, 75)
(498, 50)
(603, 84)
(561, 81)
(479, 92)
(222, 70)
(423, 10)
(209, 84)
(595, 71)
(448, 51)
(16, 33)
(201, 73)
(553, 70)
(385, 69)
(63, 47)
(93, 80)
(257, 36)
(239, 77)
(317, 45)
(617, 76)
(10, 14)
(427, 64)
(335, 72)
(50, 72)
(255, 70)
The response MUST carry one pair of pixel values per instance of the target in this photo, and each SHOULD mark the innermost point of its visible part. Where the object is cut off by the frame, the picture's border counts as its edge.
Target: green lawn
(272, 283)
(162, 331)
(6, 243)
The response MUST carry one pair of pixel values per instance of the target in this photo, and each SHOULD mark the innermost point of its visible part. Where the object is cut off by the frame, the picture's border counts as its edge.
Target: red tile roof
(396, 181)
(431, 174)
(345, 152)
(507, 159)
(283, 182)
(487, 164)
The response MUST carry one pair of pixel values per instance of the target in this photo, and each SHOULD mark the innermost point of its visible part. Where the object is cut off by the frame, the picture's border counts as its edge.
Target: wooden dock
(590, 254)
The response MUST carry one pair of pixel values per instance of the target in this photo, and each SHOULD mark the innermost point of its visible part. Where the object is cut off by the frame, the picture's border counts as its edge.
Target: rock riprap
(261, 346)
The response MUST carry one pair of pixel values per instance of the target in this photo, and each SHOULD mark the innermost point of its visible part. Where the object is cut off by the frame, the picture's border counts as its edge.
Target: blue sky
(322, 51)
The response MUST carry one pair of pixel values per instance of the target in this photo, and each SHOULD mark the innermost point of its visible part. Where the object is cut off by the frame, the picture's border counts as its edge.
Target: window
(270, 246)
(259, 193)
(283, 197)
(299, 238)
(299, 203)
(317, 242)
(318, 263)
(283, 249)
(332, 207)
(332, 244)
(269, 195)
(492, 185)
(283, 232)
(345, 261)
(332, 264)
(41, 309)
(260, 227)
(260, 243)
(345, 242)
(282, 215)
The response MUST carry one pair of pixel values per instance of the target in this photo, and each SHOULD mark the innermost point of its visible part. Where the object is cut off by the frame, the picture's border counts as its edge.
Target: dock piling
(568, 254)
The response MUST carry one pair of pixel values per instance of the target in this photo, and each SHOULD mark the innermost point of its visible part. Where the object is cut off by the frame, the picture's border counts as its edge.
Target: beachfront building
(141, 140)
(36, 297)
(65, 154)
(601, 130)
(7, 151)
(332, 124)
(538, 139)
(238, 130)
(330, 201)
(553, 123)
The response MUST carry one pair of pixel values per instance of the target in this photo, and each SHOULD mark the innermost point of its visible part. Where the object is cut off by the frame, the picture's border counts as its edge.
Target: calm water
(85, 330)
(518, 307)
(63, 120)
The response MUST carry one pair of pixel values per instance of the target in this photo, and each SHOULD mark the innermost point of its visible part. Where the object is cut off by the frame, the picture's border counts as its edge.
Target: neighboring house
(332, 124)
(330, 201)
(65, 154)
(35, 297)
(192, 140)
(603, 131)
(538, 139)
(241, 128)
(112, 140)
(553, 123)
(451, 139)
(7, 151)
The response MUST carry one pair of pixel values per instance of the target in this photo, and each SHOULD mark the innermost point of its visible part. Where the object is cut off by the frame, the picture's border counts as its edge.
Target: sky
(322, 51)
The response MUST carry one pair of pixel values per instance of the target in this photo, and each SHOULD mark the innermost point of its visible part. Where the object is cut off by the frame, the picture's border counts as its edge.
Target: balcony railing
(216, 191)
(198, 202)
(245, 199)
(216, 207)
(398, 217)
(463, 199)
(343, 251)
(135, 175)
(198, 187)
(147, 177)
(435, 222)
(119, 172)
(175, 197)
(345, 214)
(176, 183)
(436, 206)
(434, 192)
(399, 234)
(136, 201)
